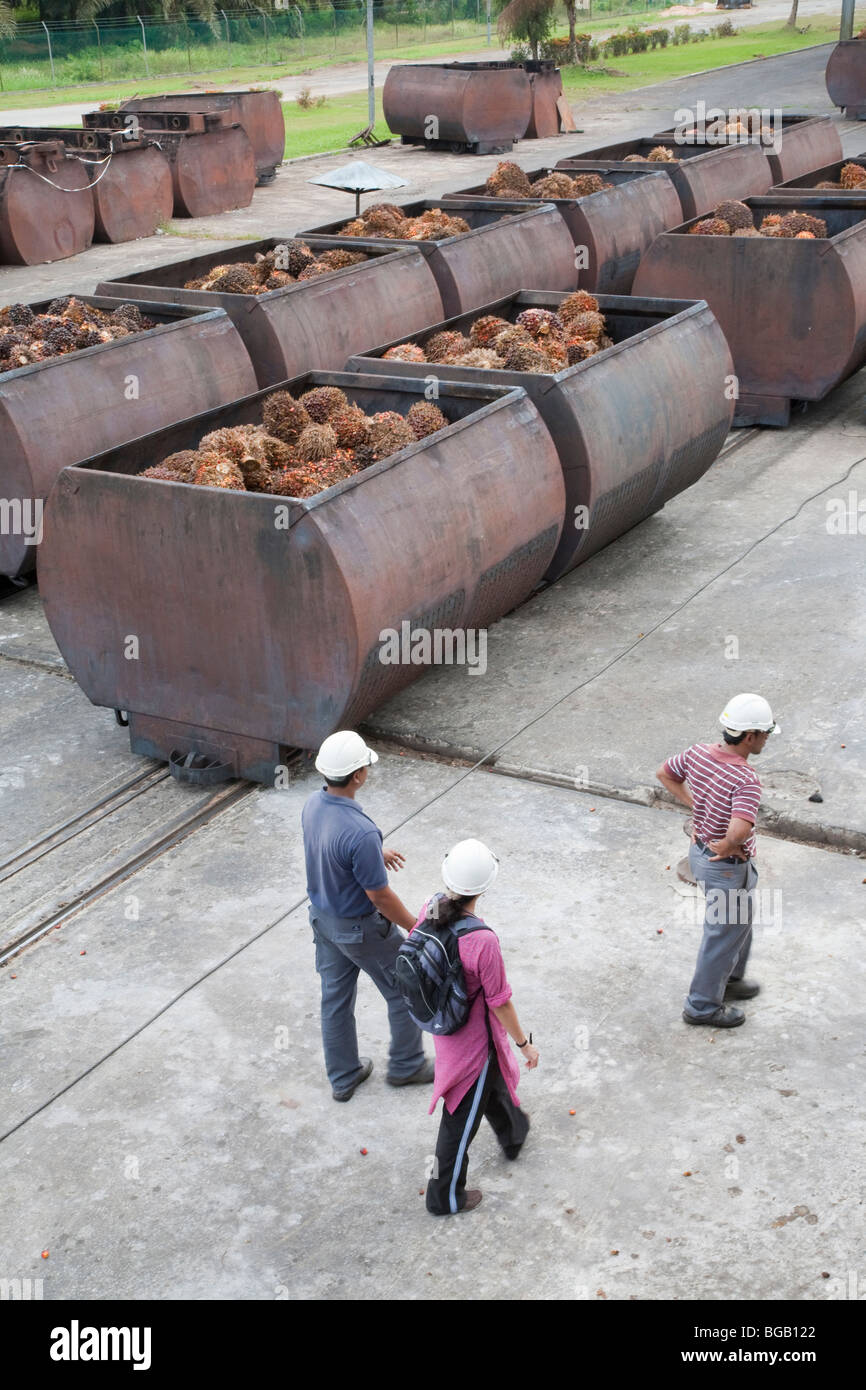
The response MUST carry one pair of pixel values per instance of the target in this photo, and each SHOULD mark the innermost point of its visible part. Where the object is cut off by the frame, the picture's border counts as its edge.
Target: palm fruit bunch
(441, 344)
(425, 418)
(339, 258)
(732, 218)
(660, 154)
(540, 323)
(179, 467)
(350, 425)
(435, 225)
(852, 175)
(215, 471)
(736, 214)
(487, 359)
(309, 449)
(710, 226)
(322, 401)
(387, 433)
(556, 184)
(508, 181)
(316, 442)
(793, 224)
(584, 184)
(380, 220)
(540, 340)
(284, 417)
(486, 330)
(308, 479)
(405, 352)
(283, 265)
(512, 336)
(68, 325)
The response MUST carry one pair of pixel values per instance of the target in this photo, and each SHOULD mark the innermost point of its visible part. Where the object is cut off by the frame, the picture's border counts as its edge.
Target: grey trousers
(344, 946)
(727, 938)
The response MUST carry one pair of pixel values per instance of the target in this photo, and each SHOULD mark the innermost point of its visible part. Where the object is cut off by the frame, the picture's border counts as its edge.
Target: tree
(529, 20)
(791, 22)
(7, 22)
(571, 12)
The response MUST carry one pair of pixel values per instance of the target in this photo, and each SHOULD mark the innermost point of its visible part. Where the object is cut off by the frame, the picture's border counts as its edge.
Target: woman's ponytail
(445, 910)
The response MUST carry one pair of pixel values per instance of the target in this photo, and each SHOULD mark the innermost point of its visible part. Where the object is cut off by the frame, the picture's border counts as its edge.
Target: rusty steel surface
(846, 77)
(134, 196)
(210, 173)
(793, 312)
(488, 104)
(508, 246)
(633, 425)
(803, 143)
(311, 325)
(545, 81)
(615, 225)
(806, 183)
(65, 409)
(277, 606)
(46, 209)
(259, 113)
(153, 122)
(130, 180)
(702, 178)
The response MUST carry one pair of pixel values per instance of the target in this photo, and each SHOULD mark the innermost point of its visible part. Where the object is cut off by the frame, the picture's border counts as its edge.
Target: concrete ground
(166, 1129)
(794, 82)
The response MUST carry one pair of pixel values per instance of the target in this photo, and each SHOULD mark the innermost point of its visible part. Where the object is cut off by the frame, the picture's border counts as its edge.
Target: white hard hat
(469, 868)
(747, 712)
(342, 753)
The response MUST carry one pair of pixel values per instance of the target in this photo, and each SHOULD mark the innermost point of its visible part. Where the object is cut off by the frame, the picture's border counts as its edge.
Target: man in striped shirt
(723, 794)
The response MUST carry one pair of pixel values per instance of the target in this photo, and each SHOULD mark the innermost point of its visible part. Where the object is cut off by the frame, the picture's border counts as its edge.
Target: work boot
(418, 1078)
(473, 1197)
(722, 1018)
(741, 989)
(360, 1078)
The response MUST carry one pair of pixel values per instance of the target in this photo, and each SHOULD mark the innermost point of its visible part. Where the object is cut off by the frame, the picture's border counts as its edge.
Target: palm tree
(7, 21)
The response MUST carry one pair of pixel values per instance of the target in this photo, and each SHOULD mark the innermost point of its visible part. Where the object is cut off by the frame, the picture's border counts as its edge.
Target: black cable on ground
(436, 797)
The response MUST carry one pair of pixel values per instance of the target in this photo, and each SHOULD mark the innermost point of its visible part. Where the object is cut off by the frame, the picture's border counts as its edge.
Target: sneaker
(424, 1074)
(349, 1091)
(741, 989)
(722, 1018)
(473, 1197)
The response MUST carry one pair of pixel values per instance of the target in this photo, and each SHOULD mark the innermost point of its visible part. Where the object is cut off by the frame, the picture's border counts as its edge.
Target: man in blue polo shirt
(352, 913)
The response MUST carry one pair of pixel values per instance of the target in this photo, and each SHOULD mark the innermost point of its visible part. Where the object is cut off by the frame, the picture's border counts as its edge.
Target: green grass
(641, 69)
(31, 85)
(329, 127)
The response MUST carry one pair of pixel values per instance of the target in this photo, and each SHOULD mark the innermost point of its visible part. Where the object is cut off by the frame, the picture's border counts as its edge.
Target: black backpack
(430, 975)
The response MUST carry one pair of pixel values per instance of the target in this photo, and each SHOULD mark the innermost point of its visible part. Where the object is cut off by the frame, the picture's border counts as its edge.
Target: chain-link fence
(65, 53)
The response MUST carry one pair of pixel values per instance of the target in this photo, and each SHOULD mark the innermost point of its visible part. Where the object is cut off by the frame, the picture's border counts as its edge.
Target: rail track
(157, 843)
(160, 838)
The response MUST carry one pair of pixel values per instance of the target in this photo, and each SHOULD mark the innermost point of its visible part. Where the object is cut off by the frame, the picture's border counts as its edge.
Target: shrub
(682, 32)
(637, 40)
(307, 101)
(658, 38)
(725, 30)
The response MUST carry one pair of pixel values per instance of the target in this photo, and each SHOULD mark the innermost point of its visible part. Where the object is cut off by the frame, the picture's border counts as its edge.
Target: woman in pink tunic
(476, 1071)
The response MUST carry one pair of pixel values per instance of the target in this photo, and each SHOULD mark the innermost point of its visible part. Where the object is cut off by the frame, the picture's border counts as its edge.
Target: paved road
(343, 78)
